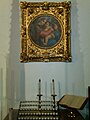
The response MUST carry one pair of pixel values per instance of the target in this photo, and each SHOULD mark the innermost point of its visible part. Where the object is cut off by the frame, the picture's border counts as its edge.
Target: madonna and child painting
(45, 31)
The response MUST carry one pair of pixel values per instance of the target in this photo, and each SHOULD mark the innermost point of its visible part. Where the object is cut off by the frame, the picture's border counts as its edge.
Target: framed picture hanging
(45, 32)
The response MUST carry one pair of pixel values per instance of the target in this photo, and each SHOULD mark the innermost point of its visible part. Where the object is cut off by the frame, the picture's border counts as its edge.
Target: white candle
(53, 87)
(39, 86)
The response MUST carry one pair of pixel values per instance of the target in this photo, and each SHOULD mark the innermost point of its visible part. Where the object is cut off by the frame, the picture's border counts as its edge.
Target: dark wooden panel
(89, 100)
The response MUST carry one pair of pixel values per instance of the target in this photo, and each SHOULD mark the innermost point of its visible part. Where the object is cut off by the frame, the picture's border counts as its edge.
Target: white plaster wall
(72, 77)
(19, 81)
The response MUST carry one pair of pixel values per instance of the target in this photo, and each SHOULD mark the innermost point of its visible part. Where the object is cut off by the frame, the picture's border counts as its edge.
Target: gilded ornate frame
(58, 13)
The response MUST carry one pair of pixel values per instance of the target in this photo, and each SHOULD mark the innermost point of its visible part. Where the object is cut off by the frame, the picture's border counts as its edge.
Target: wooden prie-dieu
(64, 109)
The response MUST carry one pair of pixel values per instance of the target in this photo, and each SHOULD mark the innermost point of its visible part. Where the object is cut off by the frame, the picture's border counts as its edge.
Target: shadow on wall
(74, 71)
(15, 73)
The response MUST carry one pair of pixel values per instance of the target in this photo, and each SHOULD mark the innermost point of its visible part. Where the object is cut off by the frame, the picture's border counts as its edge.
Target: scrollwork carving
(42, 43)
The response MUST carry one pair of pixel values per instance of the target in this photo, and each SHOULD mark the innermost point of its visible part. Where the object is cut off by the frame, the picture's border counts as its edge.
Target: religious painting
(45, 32)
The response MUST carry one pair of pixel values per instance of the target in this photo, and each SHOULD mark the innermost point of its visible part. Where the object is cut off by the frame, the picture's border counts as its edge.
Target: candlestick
(39, 95)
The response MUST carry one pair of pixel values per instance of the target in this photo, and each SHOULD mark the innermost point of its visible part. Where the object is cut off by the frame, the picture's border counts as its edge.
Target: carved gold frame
(60, 52)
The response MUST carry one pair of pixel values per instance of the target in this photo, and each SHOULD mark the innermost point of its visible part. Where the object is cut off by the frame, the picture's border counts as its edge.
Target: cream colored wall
(5, 12)
(19, 81)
